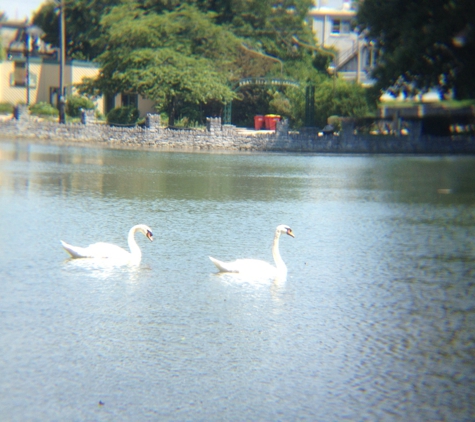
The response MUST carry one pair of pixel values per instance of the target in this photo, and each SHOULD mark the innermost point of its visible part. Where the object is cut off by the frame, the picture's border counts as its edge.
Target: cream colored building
(30, 72)
(44, 80)
(44, 76)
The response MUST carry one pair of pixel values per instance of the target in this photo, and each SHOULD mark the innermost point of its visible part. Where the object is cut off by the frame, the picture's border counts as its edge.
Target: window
(336, 26)
(18, 77)
(130, 100)
(109, 103)
(19, 74)
(341, 26)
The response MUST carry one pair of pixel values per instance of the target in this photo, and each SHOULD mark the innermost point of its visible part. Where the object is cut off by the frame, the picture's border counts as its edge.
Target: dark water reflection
(375, 321)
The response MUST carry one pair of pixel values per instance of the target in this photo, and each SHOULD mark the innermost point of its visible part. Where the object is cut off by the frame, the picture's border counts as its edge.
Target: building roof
(323, 11)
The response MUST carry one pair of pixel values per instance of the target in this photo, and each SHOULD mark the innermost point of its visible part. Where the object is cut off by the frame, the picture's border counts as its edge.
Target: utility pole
(62, 55)
(27, 56)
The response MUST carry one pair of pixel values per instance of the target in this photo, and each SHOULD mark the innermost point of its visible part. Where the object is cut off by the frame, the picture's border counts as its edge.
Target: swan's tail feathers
(225, 267)
(74, 251)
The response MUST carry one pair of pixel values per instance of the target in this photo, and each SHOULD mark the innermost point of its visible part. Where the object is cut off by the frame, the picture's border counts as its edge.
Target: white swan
(256, 267)
(108, 250)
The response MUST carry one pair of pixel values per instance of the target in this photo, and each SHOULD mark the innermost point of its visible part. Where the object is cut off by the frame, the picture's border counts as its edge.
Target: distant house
(43, 79)
(39, 64)
(331, 22)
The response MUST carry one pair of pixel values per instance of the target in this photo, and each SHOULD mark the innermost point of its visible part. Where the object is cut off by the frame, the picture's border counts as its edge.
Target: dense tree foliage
(339, 98)
(422, 43)
(265, 25)
(269, 25)
(188, 56)
(83, 25)
(176, 56)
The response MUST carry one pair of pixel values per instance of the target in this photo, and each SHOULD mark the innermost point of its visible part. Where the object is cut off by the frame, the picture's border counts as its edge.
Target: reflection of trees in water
(238, 177)
(139, 174)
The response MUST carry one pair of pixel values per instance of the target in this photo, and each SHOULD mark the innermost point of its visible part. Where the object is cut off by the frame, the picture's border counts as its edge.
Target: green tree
(338, 97)
(168, 58)
(422, 44)
(82, 21)
(267, 28)
(270, 27)
(188, 58)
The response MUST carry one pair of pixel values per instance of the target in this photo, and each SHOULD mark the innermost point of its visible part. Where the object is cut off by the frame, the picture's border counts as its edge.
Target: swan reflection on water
(276, 284)
(105, 269)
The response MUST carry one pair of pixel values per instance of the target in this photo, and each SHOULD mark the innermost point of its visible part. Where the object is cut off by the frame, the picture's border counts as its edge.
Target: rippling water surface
(375, 321)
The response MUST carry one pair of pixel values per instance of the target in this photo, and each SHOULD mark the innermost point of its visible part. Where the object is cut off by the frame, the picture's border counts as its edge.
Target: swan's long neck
(279, 263)
(134, 248)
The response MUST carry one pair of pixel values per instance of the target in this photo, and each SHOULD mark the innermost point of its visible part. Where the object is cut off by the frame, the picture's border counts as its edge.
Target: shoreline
(224, 139)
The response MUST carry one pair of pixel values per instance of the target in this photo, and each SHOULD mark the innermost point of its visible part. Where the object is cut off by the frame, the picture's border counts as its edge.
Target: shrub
(74, 104)
(6, 108)
(335, 121)
(337, 97)
(123, 116)
(43, 109)
(280, 105)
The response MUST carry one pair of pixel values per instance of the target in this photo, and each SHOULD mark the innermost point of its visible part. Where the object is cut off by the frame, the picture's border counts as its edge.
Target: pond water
(375, 322)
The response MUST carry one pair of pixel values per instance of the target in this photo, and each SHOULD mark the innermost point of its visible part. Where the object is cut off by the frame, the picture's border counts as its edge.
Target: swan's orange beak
(290, 232)
(149, 235)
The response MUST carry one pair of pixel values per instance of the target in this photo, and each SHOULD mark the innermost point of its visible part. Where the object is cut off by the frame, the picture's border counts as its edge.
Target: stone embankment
(225, 138)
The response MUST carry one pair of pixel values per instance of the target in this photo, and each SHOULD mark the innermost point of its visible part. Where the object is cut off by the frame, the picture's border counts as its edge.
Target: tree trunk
(171, 111)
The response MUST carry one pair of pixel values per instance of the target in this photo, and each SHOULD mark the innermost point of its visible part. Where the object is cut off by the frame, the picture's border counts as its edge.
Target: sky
(20, 9)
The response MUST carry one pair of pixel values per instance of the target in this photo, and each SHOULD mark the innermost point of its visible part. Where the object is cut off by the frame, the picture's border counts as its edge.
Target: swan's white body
(108, 250)
(256, 267)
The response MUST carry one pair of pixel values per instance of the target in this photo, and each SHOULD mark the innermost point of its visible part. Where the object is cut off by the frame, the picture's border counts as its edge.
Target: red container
(259, 122)
(271, 121)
